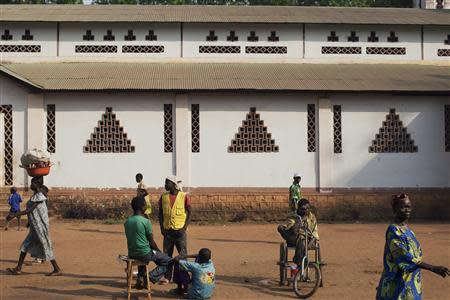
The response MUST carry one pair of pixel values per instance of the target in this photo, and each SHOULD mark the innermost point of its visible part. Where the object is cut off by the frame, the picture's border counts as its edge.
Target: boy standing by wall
(142, 192)
(14, 201)
(295, 192)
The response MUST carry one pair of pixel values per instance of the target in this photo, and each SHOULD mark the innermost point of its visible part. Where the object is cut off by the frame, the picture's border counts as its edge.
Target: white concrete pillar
(35, 121)
(325, 144)
(182, 139)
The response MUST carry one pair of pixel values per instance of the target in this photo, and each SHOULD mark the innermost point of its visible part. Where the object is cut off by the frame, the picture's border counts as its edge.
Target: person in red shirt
(174, 218)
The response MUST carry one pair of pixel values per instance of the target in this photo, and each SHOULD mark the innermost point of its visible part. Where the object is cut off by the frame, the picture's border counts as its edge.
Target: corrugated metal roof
(225, 14)
(232, 76)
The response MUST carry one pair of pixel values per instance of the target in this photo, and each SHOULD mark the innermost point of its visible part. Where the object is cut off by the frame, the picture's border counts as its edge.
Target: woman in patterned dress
(401, 277)
(37, 242)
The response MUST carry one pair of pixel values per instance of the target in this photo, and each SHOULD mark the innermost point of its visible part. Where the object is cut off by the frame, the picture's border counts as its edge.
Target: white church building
(233, 100)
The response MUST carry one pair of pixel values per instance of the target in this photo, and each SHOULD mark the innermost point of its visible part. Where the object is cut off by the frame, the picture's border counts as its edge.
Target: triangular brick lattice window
(253, 136)
(108, 136)
(393, 137)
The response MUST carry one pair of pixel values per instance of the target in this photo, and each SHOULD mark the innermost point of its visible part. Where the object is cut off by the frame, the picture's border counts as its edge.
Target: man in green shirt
(295, 192)
(142, 246)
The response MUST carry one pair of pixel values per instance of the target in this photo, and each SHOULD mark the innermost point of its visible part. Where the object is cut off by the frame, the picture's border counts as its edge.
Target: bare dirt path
(245, 257)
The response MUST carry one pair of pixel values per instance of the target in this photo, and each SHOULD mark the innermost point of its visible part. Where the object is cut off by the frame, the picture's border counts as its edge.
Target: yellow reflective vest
(174, 217)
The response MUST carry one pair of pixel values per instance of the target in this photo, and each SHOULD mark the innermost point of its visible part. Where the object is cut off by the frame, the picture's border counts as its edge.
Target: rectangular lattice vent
(20, 48)
(341, 50)
(443, 52)
(195, 127)
(168, 128)
(219, 49)
(51, 128)
(95, 49)
(337, 126)
(386, 50)
(143, 49)
(311, 128)
(266, 49)
(7, 138)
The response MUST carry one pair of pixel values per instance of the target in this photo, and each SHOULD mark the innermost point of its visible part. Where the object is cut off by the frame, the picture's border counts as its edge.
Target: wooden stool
(129, 274)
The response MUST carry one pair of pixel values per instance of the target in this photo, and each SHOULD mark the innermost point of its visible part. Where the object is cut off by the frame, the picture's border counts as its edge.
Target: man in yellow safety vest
(174, 218)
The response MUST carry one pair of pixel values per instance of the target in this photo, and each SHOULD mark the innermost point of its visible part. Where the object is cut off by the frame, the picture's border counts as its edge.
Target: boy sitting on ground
(142, 246)
(202, 278)
(293, 232)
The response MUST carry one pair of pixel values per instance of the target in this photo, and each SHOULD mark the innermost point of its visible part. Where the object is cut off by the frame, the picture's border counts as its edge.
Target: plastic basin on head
(37, 172)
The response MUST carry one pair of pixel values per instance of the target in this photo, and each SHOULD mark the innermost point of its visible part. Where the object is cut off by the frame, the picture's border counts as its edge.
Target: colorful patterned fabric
(401, 278)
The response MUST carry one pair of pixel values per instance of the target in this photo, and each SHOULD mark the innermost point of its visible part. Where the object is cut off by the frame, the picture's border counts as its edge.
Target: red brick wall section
(241, 204)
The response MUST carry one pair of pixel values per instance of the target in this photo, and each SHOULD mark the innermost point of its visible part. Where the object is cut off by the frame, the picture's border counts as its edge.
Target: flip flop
(13, 271)
(54, 273)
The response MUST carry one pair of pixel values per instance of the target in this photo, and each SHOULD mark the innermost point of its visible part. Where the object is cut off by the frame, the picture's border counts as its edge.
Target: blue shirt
(203, 281)
(14, 201)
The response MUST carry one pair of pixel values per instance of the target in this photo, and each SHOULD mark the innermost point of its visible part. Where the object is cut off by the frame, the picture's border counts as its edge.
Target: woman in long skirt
(37, 242)
(401, 277)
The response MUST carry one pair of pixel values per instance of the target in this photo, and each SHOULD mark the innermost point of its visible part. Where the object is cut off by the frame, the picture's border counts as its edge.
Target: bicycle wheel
(283, 263)
(306, 285)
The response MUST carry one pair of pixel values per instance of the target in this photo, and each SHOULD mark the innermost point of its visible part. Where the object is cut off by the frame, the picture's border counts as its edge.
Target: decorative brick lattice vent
(341, 50)
(6, 36)
(266, 50)
(392, 38)
(211, 37)
(393, 137)
(443, 52)
(232, 37)
(311, 128)
(88, 36)
(333, 37)
(143, 49)
(151, 36)
(195, 127)
(447, 128)
(7, 137)
(253, 136)
(95, 49)
(252, 37)
(109, 136)
(373, 37)
(219, 49)
(337, 128)
(51, 128)
(273, 37)
(168, 128)
(20, 48)
(386, 50)
(27, 36)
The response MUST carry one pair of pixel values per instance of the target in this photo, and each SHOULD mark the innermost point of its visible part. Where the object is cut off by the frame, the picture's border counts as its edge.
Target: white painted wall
(16, 95)
(168, 35)
(44, 34)
(316, 36)
(361, 120)
(290, 35)
(434, 37)
(220, 117)
(141, 115)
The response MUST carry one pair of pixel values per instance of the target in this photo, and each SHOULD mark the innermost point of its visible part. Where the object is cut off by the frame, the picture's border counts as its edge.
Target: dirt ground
(245, 257)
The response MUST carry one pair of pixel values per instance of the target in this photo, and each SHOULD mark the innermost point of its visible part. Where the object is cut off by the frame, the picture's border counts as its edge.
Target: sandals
(14, 271)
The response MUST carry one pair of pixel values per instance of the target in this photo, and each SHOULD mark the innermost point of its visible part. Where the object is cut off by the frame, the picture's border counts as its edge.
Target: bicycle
(308, 277)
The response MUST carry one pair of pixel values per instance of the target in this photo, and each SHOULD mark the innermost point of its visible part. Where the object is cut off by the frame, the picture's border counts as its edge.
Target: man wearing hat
(174, 218)
(295, 192)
